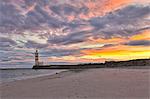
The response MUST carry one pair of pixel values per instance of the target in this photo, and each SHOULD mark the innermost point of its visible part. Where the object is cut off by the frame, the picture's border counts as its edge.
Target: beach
(103, 83)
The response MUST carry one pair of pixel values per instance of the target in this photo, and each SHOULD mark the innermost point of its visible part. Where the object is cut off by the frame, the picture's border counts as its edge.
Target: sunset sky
(73, 31)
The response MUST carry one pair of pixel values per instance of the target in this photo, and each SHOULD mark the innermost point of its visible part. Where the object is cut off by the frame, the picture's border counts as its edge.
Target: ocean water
(19, 74)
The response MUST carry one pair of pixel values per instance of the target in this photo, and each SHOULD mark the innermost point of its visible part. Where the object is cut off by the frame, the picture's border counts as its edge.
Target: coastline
(11, 75)
(104, 83)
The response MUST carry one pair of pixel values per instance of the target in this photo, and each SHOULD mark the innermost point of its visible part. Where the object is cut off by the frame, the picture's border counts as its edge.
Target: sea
(9, 75)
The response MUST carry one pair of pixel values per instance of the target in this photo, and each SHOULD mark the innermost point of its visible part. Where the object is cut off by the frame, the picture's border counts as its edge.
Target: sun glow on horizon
(74, 31)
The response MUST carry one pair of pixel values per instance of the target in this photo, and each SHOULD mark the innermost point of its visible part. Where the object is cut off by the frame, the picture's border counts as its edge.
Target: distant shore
(106, 64)
(109, 83)
(14, 68)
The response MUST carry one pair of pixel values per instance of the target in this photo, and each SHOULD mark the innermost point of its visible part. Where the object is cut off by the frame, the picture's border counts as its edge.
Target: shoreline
(107, 83)
(68, 72)
(71, 71)
(50, 76)
(26, 75)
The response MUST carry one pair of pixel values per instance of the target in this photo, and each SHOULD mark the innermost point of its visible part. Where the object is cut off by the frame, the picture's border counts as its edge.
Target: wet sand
(87, 84)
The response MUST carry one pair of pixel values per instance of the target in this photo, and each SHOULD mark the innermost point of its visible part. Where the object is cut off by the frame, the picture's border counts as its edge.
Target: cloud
(109, 45)
(59, 52)
(72, 38)
(138, 43)
(13, 17)
(29, 2)
(9, 16)
(67, 9)
(123, 22)
(38, 17)
(45, 24)
(32, 44)
(7, 42)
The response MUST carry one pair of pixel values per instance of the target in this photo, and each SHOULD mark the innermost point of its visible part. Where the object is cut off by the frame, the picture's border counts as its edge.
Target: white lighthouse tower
(36, 58)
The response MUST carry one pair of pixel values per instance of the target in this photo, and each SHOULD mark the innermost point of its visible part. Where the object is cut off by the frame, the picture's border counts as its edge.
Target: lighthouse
(36, 58)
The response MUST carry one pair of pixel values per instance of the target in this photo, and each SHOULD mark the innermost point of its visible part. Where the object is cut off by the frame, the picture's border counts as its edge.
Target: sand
(88, 84)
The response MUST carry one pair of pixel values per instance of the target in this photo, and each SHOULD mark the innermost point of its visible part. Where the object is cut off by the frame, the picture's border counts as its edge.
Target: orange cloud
(145, 35)
(113, 40)
(30, 8)
(70, 18)
(100, 8)
(120, 52)
(73, 59)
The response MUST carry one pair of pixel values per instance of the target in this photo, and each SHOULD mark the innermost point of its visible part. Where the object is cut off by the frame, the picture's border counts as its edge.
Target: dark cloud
(32, 44)
(109, 45)
(63, 9)
(50, 20)
(9, 16)
(125, 16)
(7, 42)
(66, 9)
(30, 2)
(4, 39)
(14, 20)
(138, 43)
(38, 17)
(72, 38)
(119, 23)
(12, 17)
(123, 22)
